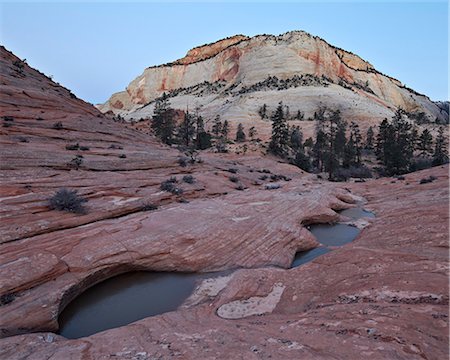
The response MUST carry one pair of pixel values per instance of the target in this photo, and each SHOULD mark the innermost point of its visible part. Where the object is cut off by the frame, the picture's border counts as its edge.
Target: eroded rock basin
(332, 235)
(126, 298)
(133, 296)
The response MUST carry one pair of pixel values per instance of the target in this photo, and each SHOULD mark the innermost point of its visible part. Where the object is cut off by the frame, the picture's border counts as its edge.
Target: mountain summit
(233, 77)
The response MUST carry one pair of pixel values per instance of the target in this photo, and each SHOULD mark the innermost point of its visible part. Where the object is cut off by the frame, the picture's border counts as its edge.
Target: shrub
(263, 177)
(76, 162)
(7, 124)
(343, 174)
(264, 171)
(233, 170)
(39, 118)
(149, 207)
(122, 156)
(183, 201)
(183, 161)
(7, 298)
(58, 125)
(188, 179)
(169, 186)
(114, 146)
(8, 118)
(420, 163)
(272, 186)
(234, 179)
(240, 187)
(73, 146)
(23, 139)
(68, 200)
(429, 179)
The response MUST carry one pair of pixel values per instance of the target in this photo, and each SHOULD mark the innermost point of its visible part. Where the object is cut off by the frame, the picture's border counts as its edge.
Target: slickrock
(234, 77)
(384, 296)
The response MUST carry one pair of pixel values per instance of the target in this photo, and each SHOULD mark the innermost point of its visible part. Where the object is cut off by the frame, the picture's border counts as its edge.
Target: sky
(96, 48)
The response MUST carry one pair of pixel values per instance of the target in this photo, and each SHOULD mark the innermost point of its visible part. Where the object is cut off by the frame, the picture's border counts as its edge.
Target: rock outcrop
(383, 296)
(235, 76)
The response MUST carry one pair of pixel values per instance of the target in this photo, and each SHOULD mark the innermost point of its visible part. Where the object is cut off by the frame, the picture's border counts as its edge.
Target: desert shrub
(264, 171)
(7, 124)
(76, 162)
(7, 298)
(39, 118)
(73, 146)
(8, 118)
(420, 163)
(149, 207)
(114, 146)
(240, 187)
(169, 186)
(233, 170)
(263, 177)
(84, 148)
(183, 161)
(188, 179)
(58, 125)
(68, 200)
(122, 156)
(272, 186)
(427, 180)
(234, 179)
(343, 174)
(183, 201)
(23, 139)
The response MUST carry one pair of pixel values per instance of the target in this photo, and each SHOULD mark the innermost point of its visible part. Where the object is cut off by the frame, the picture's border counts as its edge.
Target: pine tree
(163, 120)
(296, 138)
(203, 138)
(440, 155)
(279, 142)
(240, 135)
(225, 130)
(299, 115)
(369, 138)
(263, 111)
(319, 149)
(425, 143)
(252, 133)
(301, 160)
(217, 127)
(355, 135)
(186, 129)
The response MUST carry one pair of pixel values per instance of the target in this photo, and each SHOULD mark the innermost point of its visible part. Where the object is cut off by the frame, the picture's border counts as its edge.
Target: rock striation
(234, 77)
(383, 296)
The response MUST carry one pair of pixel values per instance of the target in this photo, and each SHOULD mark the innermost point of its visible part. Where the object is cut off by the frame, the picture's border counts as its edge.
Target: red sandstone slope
(384, 296)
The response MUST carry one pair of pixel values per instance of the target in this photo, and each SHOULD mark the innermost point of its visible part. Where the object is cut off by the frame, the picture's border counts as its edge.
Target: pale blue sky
(96, 49)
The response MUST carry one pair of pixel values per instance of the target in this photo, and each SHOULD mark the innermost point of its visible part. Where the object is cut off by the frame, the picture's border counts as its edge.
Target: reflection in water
(332, 235)
(126, 298)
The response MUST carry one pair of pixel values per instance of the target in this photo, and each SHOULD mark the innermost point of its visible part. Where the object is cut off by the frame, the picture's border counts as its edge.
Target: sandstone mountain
(383, 296)
(235, 76)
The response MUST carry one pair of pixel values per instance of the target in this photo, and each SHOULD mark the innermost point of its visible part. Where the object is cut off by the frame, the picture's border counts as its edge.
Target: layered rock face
(383, 296)
(234, 77)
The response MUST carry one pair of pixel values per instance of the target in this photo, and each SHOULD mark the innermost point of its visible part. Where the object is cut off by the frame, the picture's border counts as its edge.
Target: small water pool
(332, 235)
(126, 298)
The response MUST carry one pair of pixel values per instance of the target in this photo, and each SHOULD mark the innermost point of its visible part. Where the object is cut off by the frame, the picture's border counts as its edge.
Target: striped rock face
(235, 76)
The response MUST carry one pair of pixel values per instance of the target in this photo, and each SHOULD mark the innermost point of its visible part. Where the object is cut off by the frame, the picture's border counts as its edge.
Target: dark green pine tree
(252, 133)
(240, 134)
(296, 138)
(425, 143)
(203, 138)
(263, 111)
(186, 129)
(349, 153)
(319, 149)
(225, 130)
(301, 160)
(440, 155)
(163, 120)
(369, 138)
(279, 142)
(355, 135)
(382, 145)
(217, 127)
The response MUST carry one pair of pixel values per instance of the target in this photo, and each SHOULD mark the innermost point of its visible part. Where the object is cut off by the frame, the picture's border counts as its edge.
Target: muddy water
(126, 298)
(332, 235)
